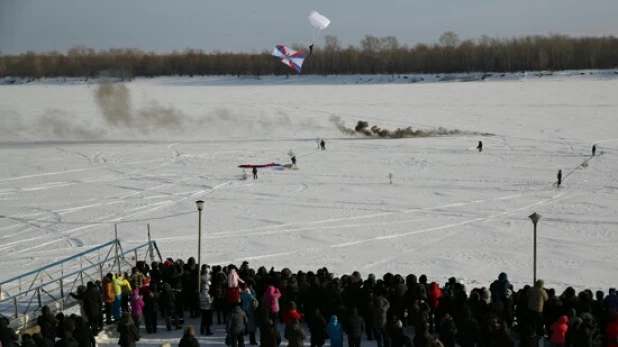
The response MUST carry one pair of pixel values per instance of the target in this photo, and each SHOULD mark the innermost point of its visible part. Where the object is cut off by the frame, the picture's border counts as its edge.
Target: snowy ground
(67, 174)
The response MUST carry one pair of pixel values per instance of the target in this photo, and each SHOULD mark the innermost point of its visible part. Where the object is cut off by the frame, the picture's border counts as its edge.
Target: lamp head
(200, 205)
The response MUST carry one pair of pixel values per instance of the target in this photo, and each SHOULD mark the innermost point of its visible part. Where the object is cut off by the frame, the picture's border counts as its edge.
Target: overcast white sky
(255, 25)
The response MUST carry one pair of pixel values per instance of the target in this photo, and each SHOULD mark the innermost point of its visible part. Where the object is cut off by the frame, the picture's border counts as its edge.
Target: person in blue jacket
(335, 332)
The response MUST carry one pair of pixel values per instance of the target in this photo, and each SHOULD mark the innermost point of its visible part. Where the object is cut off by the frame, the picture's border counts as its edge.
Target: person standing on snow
(255, 173)
(323, 144)
(480, 146)
(559, 178)
(294, 160)
(594, 150)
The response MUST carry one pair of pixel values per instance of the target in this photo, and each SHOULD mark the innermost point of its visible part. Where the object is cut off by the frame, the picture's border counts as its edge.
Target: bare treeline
(374, 55)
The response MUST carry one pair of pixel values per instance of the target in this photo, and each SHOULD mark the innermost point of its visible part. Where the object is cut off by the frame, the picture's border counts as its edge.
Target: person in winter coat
(137, 308)
(434, 295)
(469, 333)
(48, 324)
(536, 300)
(109, 297)
(587, 333)
(379, 313)
(399, 337)
(188, 339)
(236, 326)
(291, 314)
(448, 331)
(128, 331)
(271, 301)
(354, 328)
(269, 335)
(558, 331)
(294, 334)
(137, 278)
(27, 341)
(8, 338)
(151, 297)
(93, 307)
(168, 305)
(612, 299)
(611, 332)
(233, 279)
(205, 310)
(67, 339)
(335, 332)
(249, 304)
(423, 338)
(317, 328)
(82, 333)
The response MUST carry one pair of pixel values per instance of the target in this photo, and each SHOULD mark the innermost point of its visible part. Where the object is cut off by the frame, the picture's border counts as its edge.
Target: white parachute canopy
(318, 21)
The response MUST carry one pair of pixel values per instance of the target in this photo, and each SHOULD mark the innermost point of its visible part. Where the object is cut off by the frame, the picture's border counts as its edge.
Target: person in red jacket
(558, 331)
(434, 294)
(612, 333)
(291, 314)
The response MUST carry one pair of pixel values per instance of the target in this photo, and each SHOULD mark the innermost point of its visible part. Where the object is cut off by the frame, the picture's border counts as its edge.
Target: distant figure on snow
(294, 160)
(594, 150)
(323, 145)
(390, 178)
(480, 146)
(255, 173)
(559, 178)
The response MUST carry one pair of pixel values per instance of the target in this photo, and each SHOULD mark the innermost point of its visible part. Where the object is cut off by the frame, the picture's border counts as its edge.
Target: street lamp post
(200, 207)
(535, 219)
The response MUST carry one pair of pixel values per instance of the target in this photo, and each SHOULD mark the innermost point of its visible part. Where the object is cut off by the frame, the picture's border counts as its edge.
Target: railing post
(116, 245)
(61, 288)
(150, 249)
(38, 294)
(15, 307)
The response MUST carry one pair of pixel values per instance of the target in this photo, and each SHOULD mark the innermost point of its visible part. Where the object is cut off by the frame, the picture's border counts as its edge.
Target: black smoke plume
(362, 128)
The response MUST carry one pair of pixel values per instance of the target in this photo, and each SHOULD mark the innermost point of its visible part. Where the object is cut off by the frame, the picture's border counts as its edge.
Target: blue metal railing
(20, 305)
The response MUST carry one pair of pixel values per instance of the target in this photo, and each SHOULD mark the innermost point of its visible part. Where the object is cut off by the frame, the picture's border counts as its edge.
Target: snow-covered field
(69, 171)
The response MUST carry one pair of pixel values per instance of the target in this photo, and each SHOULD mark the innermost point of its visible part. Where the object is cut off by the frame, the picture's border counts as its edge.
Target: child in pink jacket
(137, 307)
(233, 279)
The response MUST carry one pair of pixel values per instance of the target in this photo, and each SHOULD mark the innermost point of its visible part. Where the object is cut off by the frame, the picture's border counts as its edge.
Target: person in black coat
(398, 336)
(236, 326)
(270, 335)
(354, 328)
(188, 339)
(168, 306)
(48, 324)
(151, 298)
(67, 339)
(7, 334)
(82, 333)
(469, 334)
(27, 341)
(128, 331)
(317, 329)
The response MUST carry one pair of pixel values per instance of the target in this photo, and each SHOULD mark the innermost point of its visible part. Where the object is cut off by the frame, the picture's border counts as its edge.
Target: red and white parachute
(289, 57)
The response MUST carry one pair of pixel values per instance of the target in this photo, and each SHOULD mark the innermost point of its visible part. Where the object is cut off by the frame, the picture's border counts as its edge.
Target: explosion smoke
(362, 128)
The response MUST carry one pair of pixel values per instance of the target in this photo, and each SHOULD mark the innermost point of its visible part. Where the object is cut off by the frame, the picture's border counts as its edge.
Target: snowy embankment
(335, 79)
(72, 164)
